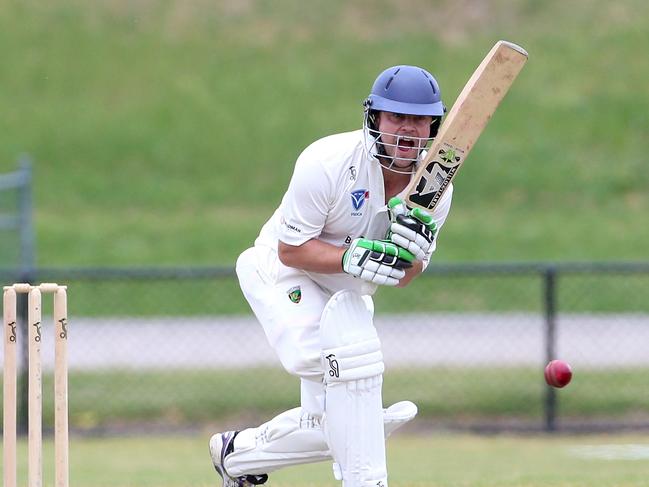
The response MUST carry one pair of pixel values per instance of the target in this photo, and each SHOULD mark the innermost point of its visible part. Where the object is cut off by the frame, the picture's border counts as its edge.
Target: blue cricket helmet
(405, 89)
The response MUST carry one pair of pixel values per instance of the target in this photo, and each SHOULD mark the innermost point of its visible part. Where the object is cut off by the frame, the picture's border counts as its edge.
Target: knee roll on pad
(353, 362)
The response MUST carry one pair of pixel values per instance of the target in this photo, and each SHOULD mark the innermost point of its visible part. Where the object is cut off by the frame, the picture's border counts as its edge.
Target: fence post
(549, 298)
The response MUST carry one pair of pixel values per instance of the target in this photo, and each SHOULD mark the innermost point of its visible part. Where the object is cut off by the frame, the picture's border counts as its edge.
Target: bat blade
(468, 117)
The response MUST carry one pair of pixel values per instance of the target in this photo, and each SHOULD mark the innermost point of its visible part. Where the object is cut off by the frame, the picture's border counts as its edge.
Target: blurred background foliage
(165, 132)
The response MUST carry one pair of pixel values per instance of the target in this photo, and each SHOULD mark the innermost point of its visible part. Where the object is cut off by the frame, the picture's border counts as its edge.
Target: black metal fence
(177, 348)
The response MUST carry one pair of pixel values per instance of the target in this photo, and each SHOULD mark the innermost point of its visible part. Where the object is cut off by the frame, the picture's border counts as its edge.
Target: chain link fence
(167, 349)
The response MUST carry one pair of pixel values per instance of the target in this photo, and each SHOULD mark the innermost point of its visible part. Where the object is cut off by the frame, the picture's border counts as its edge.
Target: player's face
(404, 136)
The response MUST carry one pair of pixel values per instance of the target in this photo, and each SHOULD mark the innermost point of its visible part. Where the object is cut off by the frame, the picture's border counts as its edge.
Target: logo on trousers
(333, 365)
(295, 294)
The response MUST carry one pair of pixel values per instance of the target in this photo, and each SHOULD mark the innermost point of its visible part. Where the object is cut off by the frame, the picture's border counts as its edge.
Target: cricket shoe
(221, 445)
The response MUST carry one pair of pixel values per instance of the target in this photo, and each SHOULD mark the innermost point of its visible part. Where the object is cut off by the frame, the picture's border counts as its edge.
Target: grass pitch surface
(414, 461)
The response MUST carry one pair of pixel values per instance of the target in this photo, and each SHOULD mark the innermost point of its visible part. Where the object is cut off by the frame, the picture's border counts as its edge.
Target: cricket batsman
(341, 230)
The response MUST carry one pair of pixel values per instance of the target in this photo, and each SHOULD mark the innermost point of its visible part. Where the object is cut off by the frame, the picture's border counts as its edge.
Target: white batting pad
(353, 365)
(397, 415)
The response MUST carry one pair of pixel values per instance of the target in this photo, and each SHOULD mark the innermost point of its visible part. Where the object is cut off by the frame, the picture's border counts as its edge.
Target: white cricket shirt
(336, 194)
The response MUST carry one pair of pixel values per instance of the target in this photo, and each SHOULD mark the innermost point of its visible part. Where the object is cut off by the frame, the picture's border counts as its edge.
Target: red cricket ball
(558, 373)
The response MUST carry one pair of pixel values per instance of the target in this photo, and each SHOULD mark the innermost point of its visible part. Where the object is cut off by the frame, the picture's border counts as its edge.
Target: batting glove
(413, 230)
(376, 261)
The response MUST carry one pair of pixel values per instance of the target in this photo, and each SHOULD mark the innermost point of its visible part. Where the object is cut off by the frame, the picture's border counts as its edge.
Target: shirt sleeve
(306, 203)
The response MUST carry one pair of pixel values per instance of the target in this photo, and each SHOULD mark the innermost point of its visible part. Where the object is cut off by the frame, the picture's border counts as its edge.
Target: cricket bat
(465, 122)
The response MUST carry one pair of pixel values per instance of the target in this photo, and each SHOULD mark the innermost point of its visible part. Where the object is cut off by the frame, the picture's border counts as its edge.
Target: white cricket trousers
(292, 328)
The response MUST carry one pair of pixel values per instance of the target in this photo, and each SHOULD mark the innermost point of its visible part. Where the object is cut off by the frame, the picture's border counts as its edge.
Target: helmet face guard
(407, 90)
(376, 145)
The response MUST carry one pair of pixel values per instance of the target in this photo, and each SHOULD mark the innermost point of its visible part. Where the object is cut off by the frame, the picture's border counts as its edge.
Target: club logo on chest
(359, 196)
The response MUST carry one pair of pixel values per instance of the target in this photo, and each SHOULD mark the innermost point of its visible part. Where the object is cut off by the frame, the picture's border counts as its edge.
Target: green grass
(165, 132)
(458, 396)
(413, 461)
